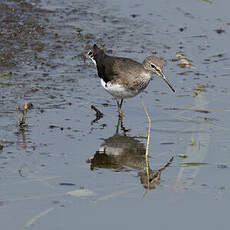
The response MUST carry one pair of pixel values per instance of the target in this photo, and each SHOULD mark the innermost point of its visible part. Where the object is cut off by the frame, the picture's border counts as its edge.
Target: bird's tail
(95, 54)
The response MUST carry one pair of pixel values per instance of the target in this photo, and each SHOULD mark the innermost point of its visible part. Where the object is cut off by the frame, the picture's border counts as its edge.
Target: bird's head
(155, 66)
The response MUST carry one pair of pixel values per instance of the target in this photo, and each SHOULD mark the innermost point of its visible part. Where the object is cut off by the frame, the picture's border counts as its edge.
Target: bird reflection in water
(124, 153)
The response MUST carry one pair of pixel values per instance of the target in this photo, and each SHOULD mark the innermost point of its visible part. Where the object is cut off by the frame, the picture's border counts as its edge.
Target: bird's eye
(155, 68)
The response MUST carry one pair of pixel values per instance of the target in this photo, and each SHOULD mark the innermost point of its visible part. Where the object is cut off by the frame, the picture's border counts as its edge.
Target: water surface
(64, 170)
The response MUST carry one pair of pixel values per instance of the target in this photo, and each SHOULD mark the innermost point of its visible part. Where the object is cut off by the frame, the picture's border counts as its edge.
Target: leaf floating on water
(220, 31)
(67, 184)
(192, 164)
(81, 193)
(183, 61)
(182, 155)
(193, 142)
(197, 91)
(206, 1)
(44, 153)
(5, 74)
(167, 143)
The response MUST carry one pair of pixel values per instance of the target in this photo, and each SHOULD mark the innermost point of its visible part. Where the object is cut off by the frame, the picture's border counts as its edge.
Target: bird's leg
(121, 103)
(119, 108)
(119, 121)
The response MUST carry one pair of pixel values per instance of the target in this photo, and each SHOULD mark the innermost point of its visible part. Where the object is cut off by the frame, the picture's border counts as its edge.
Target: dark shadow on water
(121, 152)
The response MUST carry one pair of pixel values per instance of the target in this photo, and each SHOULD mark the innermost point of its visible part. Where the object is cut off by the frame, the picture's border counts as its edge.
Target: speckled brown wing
(117, 69)
(114, 69)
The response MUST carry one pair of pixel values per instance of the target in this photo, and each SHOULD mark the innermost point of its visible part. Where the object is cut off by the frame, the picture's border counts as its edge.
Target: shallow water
(53, 172)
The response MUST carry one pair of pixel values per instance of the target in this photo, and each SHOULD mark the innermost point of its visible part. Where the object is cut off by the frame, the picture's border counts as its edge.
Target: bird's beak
(166, 80)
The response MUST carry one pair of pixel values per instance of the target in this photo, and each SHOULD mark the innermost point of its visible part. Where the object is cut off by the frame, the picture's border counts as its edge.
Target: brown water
(65, 171)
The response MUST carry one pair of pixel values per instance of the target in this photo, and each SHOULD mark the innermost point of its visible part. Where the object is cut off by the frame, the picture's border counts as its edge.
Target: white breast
(118, 91)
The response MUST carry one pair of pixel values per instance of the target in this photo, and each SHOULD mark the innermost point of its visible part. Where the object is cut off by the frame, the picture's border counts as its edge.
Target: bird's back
(118, 69)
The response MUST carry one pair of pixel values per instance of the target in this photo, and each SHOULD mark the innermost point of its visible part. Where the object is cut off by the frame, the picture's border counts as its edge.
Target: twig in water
(29, 224)
(147, 145)
(99, 114)
(22, 122)
(167, 165)
(201, 110)
(24, 112)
